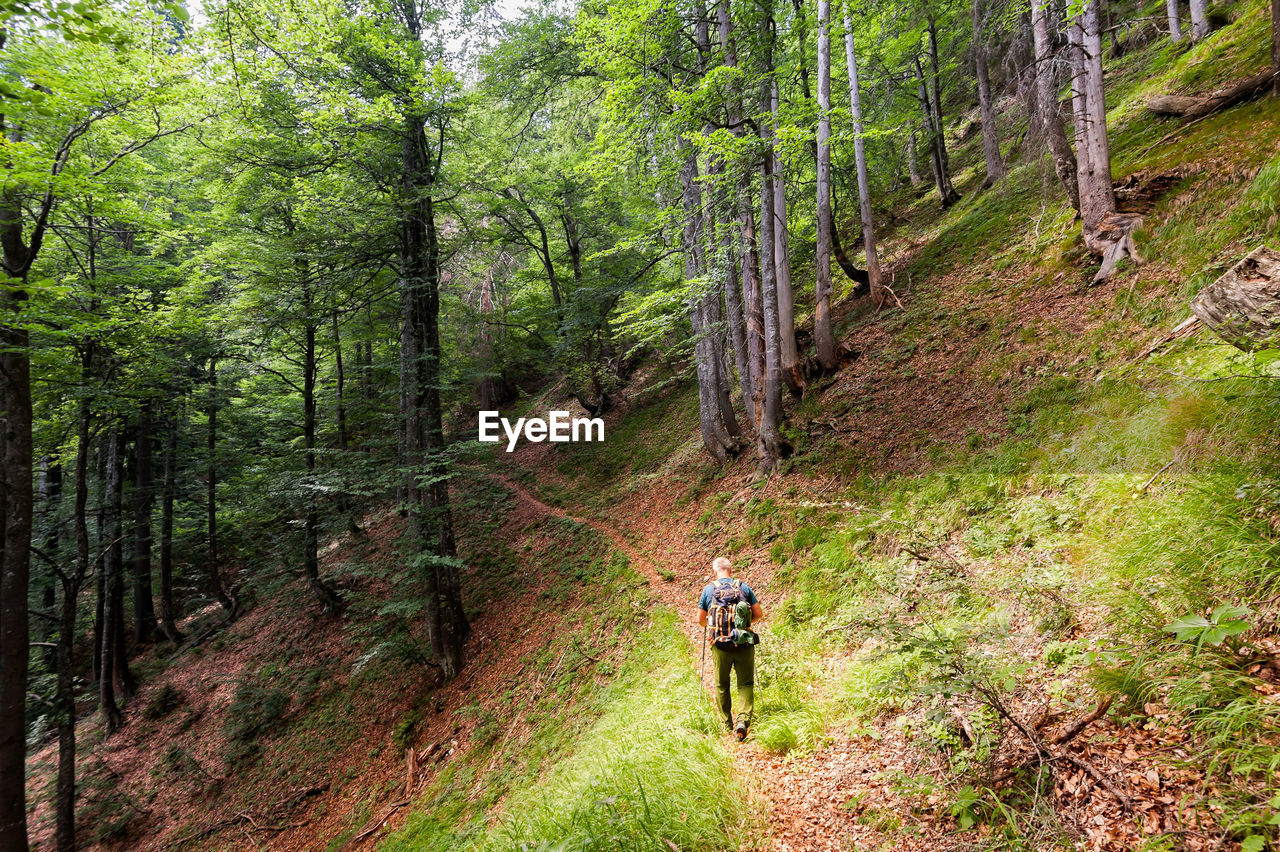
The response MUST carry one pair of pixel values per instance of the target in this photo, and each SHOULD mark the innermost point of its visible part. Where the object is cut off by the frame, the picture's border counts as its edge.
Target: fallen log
(1184, 106)
(1243, 306)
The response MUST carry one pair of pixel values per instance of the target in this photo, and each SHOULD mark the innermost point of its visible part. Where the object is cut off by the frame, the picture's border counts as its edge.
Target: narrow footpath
(837, 798)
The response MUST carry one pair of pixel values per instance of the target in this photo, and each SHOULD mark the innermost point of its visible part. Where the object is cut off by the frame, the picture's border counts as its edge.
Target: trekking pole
(702, 667)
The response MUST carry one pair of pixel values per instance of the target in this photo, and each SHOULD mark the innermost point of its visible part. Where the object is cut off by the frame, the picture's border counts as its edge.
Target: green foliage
(1222, 624)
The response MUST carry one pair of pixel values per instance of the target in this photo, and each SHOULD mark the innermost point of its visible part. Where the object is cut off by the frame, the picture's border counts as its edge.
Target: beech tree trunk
(328, 599)
(144, 614)
(946, 190)
(753, 310)
(339, 382)
(913, 164)
(860, 164)
(1199, 19)
(947, 194)
(731, 255)
(1064, 161)
(990, 140)
(65, 800)
(488, 392)
(748, 258)
(769, 436)
(426, 472)
(50, 506)
(715, 433)
(708, 242)
(168, 624)
(823, 337)
(791, 373)
(216, 587)
(16, 514)
(1175, 23)
(112, 678)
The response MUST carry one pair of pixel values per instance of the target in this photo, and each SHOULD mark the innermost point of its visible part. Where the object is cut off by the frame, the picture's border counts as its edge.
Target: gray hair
(721, 563)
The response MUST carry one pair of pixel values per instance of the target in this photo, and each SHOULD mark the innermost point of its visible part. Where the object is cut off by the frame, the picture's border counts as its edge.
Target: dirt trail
(815, 803)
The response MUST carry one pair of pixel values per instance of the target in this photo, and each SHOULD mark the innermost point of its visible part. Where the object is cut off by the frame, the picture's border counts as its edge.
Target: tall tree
(144, 616)
(1175, 23)
(860, 163)
(1051, 128)
(824, 338)
(990, 140)
(1199, 19)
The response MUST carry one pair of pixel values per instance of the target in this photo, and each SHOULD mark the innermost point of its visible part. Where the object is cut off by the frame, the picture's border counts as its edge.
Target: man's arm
(702, 617)
(756, 613)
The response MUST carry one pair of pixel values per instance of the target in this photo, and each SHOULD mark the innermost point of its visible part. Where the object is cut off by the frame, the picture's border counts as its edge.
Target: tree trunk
(753, 309)
(488, 392)
(913, 166)
(990, 141)
(339, 382)
(113, 589)
(65, 804)
(1097, 197)
(791, 373)
(100, 571)
(713, 313)
(16, 515)
(327, 598)
(1107, 233)
(168, 625)
(1175, 23)
(1064, 162)
(216, 586)
(1199, 19)
(860, 164)
(823, 337)
(427, 488)
(945, 190)
(50, 506)
(366, 372)
(769, 437)
(1243, 306)
(731, 253)
(1275, 48)
(715, 435)
(16, 509)
(144, 614)
(706, 233)
(745, 243)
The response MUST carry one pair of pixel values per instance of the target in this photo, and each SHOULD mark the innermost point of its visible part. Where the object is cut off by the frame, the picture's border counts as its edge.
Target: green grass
(650, 770)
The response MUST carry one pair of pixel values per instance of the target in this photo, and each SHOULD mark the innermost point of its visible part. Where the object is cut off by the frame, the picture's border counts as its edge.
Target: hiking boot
(740, 731)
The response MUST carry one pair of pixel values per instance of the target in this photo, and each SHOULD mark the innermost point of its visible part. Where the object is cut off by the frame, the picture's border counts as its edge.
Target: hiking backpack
(730, 615)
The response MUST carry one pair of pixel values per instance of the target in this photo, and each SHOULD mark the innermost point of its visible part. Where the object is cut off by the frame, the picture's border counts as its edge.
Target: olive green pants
(742, 659)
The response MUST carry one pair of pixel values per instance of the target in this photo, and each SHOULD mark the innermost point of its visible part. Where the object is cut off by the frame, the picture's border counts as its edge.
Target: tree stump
(1243, 306)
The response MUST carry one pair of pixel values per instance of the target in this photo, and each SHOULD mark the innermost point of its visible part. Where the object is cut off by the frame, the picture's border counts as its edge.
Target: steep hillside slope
(970, 565)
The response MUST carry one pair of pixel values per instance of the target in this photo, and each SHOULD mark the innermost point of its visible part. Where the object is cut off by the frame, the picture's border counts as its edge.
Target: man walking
(731, 607)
